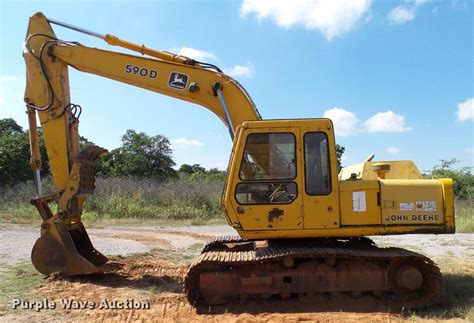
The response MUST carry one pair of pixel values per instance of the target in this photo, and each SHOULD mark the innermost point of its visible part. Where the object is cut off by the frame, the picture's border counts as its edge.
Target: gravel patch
(115, 247)
(213, 230)
(148, 234)
(17, 243)
(458, 245)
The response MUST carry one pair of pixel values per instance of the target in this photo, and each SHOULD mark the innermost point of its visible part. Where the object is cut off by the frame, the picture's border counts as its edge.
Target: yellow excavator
(302, 228)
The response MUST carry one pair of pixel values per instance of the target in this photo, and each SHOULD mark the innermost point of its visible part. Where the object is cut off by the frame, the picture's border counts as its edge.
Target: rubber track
(210, 259)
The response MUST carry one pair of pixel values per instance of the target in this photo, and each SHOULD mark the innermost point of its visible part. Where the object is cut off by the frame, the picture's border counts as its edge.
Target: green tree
(339, 151)
(216, 174)
(15, 153)
(462, 177)
(9, 127)
(84, 143)
(196, 171)
(191, 169)
(216, 170)
(140, 156)
(14, 158)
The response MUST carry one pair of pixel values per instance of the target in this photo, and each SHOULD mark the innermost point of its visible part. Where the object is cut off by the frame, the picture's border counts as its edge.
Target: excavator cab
(282, 170)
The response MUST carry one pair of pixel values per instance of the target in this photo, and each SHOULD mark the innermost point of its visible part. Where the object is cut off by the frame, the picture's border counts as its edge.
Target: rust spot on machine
(275, 213)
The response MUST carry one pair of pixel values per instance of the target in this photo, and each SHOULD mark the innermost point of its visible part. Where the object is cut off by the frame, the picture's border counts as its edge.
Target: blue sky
(397, 77)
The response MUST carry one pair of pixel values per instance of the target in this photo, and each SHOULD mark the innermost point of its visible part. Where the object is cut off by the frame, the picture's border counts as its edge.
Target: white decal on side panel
(424, 206)
(358, 202)
(406, 206)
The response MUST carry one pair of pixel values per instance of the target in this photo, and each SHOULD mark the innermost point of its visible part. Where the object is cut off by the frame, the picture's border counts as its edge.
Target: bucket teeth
(86, 160)
(91, 153)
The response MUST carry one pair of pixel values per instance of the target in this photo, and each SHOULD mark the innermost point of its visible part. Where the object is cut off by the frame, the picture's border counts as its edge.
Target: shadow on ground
(456, 300)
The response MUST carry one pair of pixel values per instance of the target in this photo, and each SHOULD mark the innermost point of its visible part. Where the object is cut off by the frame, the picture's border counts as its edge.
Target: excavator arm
(47, 59)
(63, 239)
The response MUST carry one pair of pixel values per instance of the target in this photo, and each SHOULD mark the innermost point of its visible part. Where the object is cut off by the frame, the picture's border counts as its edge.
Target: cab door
(267, 194)
(321, 190)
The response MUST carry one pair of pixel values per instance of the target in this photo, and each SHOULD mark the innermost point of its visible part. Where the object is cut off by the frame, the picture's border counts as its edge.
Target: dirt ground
(154, 261)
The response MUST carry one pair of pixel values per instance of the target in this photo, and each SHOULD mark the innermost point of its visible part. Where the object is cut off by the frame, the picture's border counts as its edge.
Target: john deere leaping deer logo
(178, 80)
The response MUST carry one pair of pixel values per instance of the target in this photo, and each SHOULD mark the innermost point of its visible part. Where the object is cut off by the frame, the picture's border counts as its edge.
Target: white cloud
(386, 122)
(404, 13)
(345, 121)
(401, 14)
(459, 4)
(219, 165)
(5, 78)
(420, 2)
(197, 54)
(201, 55)
(2, 101)
(469, 150)
(393, 150)
(466, 110)
(185, 143)
(332, 18)
(240, 71)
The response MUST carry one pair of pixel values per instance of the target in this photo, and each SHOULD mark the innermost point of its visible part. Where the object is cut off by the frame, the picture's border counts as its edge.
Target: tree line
(144, 156)
(140, 156)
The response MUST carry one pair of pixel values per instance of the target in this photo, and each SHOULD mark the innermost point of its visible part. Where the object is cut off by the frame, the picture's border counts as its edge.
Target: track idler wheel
(405, 277)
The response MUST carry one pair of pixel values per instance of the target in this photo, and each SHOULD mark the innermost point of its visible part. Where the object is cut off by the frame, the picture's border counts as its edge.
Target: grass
(183, 199)
(457, 298)
(464, 216)
(128, 201)
(187, 256)
(16, 282)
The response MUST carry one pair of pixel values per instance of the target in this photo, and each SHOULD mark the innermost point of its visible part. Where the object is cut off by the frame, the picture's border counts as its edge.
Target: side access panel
(412, 202)
(359, 203)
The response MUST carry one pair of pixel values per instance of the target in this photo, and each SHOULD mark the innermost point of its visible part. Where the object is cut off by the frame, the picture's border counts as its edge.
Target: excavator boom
(47, 59)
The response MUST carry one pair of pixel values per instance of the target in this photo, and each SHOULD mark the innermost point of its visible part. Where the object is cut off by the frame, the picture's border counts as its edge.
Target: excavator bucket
(66, 250)
(64, 246)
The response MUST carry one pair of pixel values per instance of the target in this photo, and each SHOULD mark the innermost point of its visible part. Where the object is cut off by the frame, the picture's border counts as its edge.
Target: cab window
(265, 193)
(317, 163)
(269, 156)
(268, 166)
